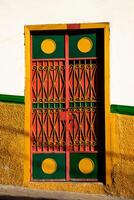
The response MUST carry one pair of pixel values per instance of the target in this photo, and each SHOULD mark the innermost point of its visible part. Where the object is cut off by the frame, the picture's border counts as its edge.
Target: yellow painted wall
(122, 154)
(11, 143)
(12, 154)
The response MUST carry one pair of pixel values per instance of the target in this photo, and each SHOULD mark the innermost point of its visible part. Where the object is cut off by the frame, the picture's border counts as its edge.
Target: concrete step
(21, 193)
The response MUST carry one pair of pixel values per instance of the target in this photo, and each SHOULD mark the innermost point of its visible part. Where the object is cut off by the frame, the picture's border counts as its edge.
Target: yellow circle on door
(85, 45)
(49, 166)
(86, 165)
(48, 46)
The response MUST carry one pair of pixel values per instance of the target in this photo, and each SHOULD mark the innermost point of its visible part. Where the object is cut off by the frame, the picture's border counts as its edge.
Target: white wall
(14, 14)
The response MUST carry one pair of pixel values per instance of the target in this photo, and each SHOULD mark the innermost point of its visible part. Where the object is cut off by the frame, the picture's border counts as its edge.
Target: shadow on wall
(122, 175)
(11, 129)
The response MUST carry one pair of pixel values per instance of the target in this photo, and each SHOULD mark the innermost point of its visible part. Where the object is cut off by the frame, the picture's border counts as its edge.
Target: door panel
(64, 107)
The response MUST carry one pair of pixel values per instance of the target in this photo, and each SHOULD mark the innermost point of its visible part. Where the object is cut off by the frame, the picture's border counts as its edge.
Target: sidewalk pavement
(21, 193)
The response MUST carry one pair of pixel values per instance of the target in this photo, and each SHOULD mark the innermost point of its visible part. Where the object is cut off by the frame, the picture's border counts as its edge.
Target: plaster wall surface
(12, 155)
(11, 143)
(122, 154)
(17, 13)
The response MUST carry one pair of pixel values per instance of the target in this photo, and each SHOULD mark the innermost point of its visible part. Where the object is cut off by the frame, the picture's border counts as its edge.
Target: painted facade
(12, 153)
(120, 152)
